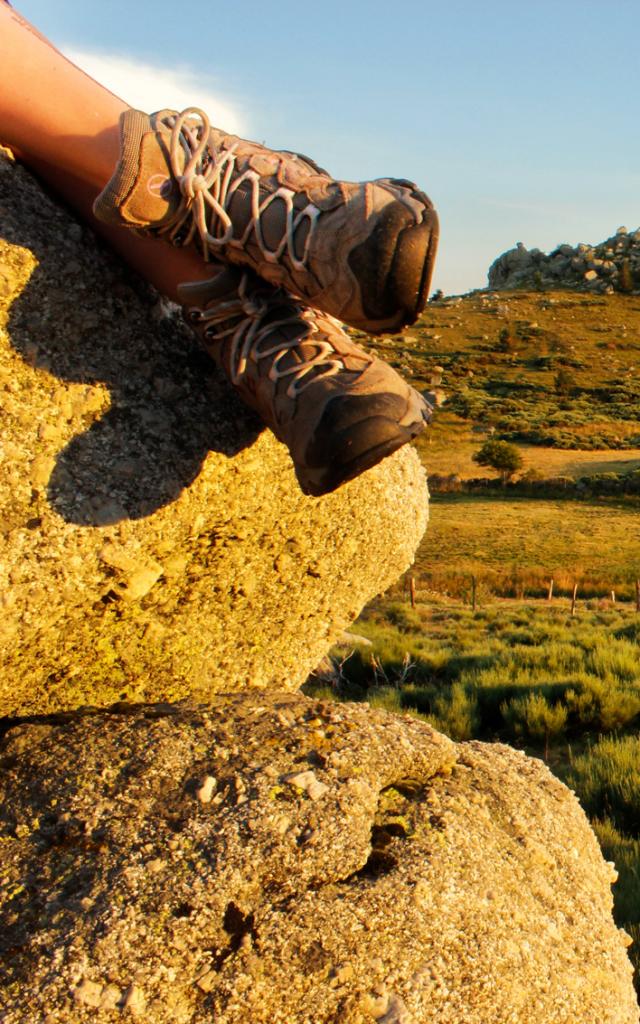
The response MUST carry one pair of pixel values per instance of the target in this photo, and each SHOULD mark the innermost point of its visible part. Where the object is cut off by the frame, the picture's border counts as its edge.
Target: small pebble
(206, 790)
(207, 981)
(88, 993)
(282, 824)
(308, 783)
(156, 866)
(343, 973)
(134, 1000)
(111, 997)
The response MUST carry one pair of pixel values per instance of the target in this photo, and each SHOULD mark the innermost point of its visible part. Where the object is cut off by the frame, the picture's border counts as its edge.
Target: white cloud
(152, 87)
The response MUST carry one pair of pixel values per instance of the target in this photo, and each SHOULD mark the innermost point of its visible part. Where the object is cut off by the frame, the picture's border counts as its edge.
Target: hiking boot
(362, 252)
(338, 410)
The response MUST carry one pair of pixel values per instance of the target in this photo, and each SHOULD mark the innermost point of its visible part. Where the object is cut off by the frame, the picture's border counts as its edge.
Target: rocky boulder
(609, 266)
(153, 540)
(270, 858)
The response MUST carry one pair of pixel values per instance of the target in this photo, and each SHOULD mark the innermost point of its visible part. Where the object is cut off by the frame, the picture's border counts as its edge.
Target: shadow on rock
(86, 319)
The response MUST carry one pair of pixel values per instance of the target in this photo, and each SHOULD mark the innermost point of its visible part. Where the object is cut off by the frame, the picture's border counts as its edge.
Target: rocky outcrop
(153, 540)
(277, 860)
(612, 265)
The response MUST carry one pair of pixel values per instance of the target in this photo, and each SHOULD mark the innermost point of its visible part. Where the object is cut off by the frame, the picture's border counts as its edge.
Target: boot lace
(246, 310)
(208, 183)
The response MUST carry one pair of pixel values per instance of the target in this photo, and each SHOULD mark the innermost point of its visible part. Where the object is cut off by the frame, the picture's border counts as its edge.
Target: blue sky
(519, 121)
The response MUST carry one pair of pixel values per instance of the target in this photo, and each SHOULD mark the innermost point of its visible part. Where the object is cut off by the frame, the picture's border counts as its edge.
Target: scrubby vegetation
(523, 674)
(553, 370)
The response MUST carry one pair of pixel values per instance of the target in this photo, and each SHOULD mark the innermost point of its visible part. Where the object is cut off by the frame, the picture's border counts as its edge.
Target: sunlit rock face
(154, 542)
(270, 858)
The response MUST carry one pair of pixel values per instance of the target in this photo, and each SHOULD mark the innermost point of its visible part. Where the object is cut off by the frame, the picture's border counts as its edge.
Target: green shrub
(607, 781)
(386, 697)
(506, 340)
(564, 382)
(598, 705)
(419, 698)
(403, 616)
(455, 713)
(534, 718)
(618, 660)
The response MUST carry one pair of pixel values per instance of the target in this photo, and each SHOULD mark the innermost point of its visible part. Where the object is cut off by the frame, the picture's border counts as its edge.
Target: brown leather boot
(338, 410)
(362, 252)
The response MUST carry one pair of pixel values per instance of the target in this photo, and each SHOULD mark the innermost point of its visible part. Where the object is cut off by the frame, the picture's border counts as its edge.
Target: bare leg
(64, 125)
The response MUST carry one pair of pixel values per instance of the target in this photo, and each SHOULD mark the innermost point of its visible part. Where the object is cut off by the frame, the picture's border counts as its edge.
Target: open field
(446, 448)
(511, 544)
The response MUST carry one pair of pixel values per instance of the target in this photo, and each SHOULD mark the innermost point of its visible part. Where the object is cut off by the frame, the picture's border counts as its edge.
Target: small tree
(499, 455)
(564, 382)
(506, 340)
(533, 716)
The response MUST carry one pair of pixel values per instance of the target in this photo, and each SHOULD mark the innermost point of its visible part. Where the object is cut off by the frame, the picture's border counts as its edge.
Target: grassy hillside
(554, 370)
(557, 374)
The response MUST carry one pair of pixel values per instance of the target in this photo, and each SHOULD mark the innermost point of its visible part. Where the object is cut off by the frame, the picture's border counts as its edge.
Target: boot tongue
(142, 191)
(273, 218)
(155, 197)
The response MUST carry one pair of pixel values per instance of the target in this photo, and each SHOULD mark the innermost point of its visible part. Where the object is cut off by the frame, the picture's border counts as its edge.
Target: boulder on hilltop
(154, 542)
(609, 266)
(270, 858)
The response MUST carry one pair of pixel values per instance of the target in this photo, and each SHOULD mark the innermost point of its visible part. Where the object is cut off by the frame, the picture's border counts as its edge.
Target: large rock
(154, 542)
(611, 265)
(275, 860)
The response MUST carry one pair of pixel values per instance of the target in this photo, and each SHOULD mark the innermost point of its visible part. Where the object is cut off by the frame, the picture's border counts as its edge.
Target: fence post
(550, 591)
(573, 599)
(473, 593)
(412, 591)
(613, 597)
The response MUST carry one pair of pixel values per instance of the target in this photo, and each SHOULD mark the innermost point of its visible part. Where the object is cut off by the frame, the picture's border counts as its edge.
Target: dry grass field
(517, 545)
